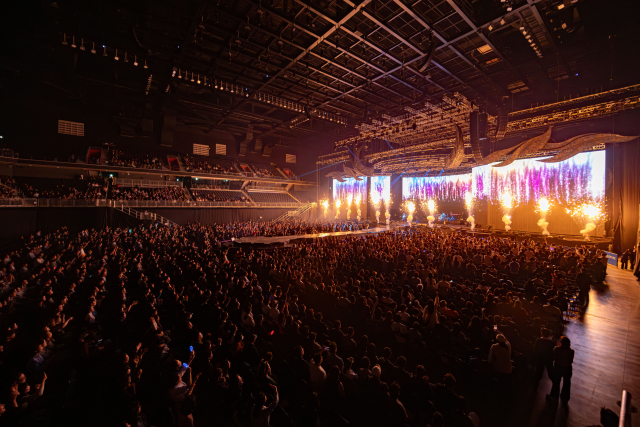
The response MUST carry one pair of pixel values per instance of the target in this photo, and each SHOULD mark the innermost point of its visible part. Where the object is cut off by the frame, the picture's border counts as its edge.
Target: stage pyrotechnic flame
(375, 201)
(325, 205)
(468, 202)
(349, 200)
(506, 200)
(431, 207)
(507, 222)
(358, 201)
(411, 208)
(387, 213)
(543, 207)
(588, 214)
(338, 203)
(471, 220)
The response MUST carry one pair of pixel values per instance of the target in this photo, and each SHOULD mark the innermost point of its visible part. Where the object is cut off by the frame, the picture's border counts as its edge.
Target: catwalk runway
(285, 239)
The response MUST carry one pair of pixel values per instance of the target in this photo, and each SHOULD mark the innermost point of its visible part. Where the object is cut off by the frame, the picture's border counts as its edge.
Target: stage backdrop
(380, 197)
(577, 181)
(348, 192)
(572, 183)
(441, 188)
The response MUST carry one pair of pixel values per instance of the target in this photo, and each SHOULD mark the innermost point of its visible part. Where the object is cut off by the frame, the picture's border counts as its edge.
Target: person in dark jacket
(562, 370)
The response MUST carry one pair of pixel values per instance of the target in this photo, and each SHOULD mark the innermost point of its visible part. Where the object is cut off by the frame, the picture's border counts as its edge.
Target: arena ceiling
(321, 67)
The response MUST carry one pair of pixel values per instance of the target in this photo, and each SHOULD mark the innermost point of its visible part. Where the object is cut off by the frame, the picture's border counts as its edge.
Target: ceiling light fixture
(490, 27)
(125, 57)
(145, 64)
(104, 52)
(64, 39)
(561, 6)
(135, 63)
(116, 57)
(82, 45)
(93, 48)
(73, 42)
(502, 21)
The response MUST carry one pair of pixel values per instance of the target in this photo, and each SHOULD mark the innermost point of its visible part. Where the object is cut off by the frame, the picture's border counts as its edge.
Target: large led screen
(451, 187)
(580, 178)
(380, 189)
(350, 189)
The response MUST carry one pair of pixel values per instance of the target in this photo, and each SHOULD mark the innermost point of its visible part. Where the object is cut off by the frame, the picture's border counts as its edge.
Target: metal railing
(79, 203)
(625, 409)
(148, 216)
(125, 182)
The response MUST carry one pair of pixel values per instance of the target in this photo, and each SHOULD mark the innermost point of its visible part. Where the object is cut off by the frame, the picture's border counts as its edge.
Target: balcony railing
(78, 203)
(126, 182)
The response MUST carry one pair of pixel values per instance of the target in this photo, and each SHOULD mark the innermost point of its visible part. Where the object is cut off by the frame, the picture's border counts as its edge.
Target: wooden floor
(607, 360)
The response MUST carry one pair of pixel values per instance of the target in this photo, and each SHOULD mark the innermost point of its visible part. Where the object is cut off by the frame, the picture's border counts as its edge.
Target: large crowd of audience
(92, 188)
(264, 171)
(156, 326)
(121, 158)
(206, 165)
(143, 193)
(219, 196)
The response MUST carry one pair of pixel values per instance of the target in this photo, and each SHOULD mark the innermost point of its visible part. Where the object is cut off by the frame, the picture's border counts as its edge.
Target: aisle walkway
(607, 360)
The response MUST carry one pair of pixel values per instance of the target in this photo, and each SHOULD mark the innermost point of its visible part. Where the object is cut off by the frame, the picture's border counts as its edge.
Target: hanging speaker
(474, 136)
(503, 119)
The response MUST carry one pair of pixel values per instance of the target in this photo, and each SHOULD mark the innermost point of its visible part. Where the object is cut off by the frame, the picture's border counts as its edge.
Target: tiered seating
(272, 197)
(134, 159)
(264, 171)
(218, 196)
(144, 193)
(207, 165)
(47, 188)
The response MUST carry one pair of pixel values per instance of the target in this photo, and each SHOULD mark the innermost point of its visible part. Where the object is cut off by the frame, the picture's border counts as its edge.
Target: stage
(286, 239)
(562, 240)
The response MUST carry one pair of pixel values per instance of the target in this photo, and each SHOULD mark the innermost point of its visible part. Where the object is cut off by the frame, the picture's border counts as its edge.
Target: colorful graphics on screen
(350, 189)
(580, 178)
(451, 187)
(381, 189)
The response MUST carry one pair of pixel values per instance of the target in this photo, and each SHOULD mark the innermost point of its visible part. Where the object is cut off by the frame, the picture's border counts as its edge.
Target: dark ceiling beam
(412, 47)
(311, 67)
(368, 43)
(417, 58)
(543, 26)
(286, 89)
(485, 39)
(479, 28)
(318, 41)
(342, 50)
(440, 37)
